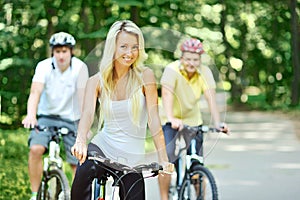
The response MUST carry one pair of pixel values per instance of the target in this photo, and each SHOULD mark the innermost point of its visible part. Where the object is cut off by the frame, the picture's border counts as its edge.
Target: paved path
(260, 159)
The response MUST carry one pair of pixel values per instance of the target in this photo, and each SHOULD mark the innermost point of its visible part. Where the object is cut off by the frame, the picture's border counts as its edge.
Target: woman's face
(127, 49)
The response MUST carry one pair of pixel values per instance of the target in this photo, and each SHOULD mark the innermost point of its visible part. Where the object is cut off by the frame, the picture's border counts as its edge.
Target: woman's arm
(154, 123)
(81, 84)
(92, 91)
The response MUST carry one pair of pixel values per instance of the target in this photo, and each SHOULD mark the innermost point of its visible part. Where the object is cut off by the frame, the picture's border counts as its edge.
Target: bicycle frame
(194, 180)
(52, 167)
(189, 160)
(99, 187)
(186, 160)
(53, 159)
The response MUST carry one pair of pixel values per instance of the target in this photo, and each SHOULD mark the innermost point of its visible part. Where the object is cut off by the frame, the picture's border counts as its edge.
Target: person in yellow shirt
(183, 82)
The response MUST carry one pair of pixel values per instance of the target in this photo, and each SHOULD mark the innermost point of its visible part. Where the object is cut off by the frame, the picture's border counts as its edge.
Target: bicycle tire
(199, 176)
(54, 187)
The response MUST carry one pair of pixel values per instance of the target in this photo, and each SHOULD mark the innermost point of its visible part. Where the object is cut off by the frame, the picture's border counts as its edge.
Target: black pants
(132, 186)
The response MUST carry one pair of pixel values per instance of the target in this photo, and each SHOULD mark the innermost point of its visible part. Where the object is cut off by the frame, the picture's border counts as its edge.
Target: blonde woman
(127, 94)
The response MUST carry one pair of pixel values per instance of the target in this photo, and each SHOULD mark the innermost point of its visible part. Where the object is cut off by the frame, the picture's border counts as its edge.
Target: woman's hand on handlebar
(168, 168)
(79, 150)
(223, 128)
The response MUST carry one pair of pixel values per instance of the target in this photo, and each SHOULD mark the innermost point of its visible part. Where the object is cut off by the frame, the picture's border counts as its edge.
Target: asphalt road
(260, 159)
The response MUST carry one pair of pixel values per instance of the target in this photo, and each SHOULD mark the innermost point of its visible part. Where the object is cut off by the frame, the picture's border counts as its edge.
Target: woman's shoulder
(147, 74)
(95, 76)
(93, 83)
(146, 70)
(95, 79)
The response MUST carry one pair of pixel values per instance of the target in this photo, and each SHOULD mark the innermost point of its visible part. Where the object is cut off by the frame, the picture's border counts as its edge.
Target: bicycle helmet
(192, 45)
(62, 39)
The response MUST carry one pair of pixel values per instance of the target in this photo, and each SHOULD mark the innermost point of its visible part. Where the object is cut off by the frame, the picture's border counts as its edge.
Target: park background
(253, 48)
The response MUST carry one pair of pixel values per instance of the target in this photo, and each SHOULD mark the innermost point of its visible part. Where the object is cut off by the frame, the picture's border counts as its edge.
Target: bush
(14, 180)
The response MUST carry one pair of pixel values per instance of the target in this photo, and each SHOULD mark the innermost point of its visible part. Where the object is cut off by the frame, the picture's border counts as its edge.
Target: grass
(14, 179)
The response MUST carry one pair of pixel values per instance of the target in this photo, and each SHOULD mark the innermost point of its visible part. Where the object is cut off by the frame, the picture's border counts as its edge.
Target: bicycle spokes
(200, 186)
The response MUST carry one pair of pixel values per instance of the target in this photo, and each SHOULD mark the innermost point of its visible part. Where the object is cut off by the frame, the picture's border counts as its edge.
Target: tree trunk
(134, 11)
(235, 91)
(295, 53)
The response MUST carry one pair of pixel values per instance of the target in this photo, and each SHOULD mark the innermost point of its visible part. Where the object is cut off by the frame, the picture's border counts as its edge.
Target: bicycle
(54, 184)
(116, 170)
(194, 181)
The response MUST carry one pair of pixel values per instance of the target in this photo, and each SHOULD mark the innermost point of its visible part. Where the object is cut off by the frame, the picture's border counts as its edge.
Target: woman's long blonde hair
(135, 81)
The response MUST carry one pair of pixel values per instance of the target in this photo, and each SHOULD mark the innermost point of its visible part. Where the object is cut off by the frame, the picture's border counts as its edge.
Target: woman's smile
(126, 49)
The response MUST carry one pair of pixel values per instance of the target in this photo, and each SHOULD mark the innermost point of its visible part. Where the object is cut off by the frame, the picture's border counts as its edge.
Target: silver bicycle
(54, 184)
(194, 181)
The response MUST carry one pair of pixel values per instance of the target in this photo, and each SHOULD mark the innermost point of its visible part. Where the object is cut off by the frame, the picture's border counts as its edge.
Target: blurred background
(253, 49)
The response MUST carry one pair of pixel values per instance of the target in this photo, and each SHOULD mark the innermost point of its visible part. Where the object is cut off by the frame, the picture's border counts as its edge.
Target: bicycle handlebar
(197, 129)
(153, 167)
(54, 129)
(200, 129)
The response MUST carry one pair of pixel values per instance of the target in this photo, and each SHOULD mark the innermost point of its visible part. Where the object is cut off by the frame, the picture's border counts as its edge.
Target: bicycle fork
(100, 189)
(193, 157)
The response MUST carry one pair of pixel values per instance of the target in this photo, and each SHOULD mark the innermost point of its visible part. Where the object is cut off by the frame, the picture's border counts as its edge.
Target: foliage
(249, 41)
(14, 179)
(14, 182)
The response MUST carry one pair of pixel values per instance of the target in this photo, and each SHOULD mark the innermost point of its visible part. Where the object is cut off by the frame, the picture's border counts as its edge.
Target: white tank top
(120, 138)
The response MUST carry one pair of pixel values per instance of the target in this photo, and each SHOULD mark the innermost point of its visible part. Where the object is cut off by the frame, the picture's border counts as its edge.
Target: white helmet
(62, 39)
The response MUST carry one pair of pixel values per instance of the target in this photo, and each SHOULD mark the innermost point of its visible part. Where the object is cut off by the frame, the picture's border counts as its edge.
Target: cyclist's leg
(132, 187)
(170, 140)
(199, 144)
(85, 173)
(203, 182)
(81, 186)
(199, 151)
(38, 143)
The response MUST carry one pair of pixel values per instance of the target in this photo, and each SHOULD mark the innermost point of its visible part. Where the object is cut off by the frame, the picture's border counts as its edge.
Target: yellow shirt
(187, 92)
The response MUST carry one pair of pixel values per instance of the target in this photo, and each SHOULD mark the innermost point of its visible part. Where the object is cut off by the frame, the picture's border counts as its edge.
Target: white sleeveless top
(120, 138)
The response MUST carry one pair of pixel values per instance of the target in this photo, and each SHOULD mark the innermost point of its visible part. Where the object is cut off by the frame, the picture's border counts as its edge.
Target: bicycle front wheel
(200, 186)
(54, 187)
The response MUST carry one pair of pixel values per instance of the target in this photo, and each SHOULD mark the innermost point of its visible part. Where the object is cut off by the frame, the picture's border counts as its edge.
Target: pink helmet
(192, 45)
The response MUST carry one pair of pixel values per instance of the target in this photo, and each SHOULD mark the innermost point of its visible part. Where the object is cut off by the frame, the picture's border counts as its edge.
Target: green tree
(254, 44)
